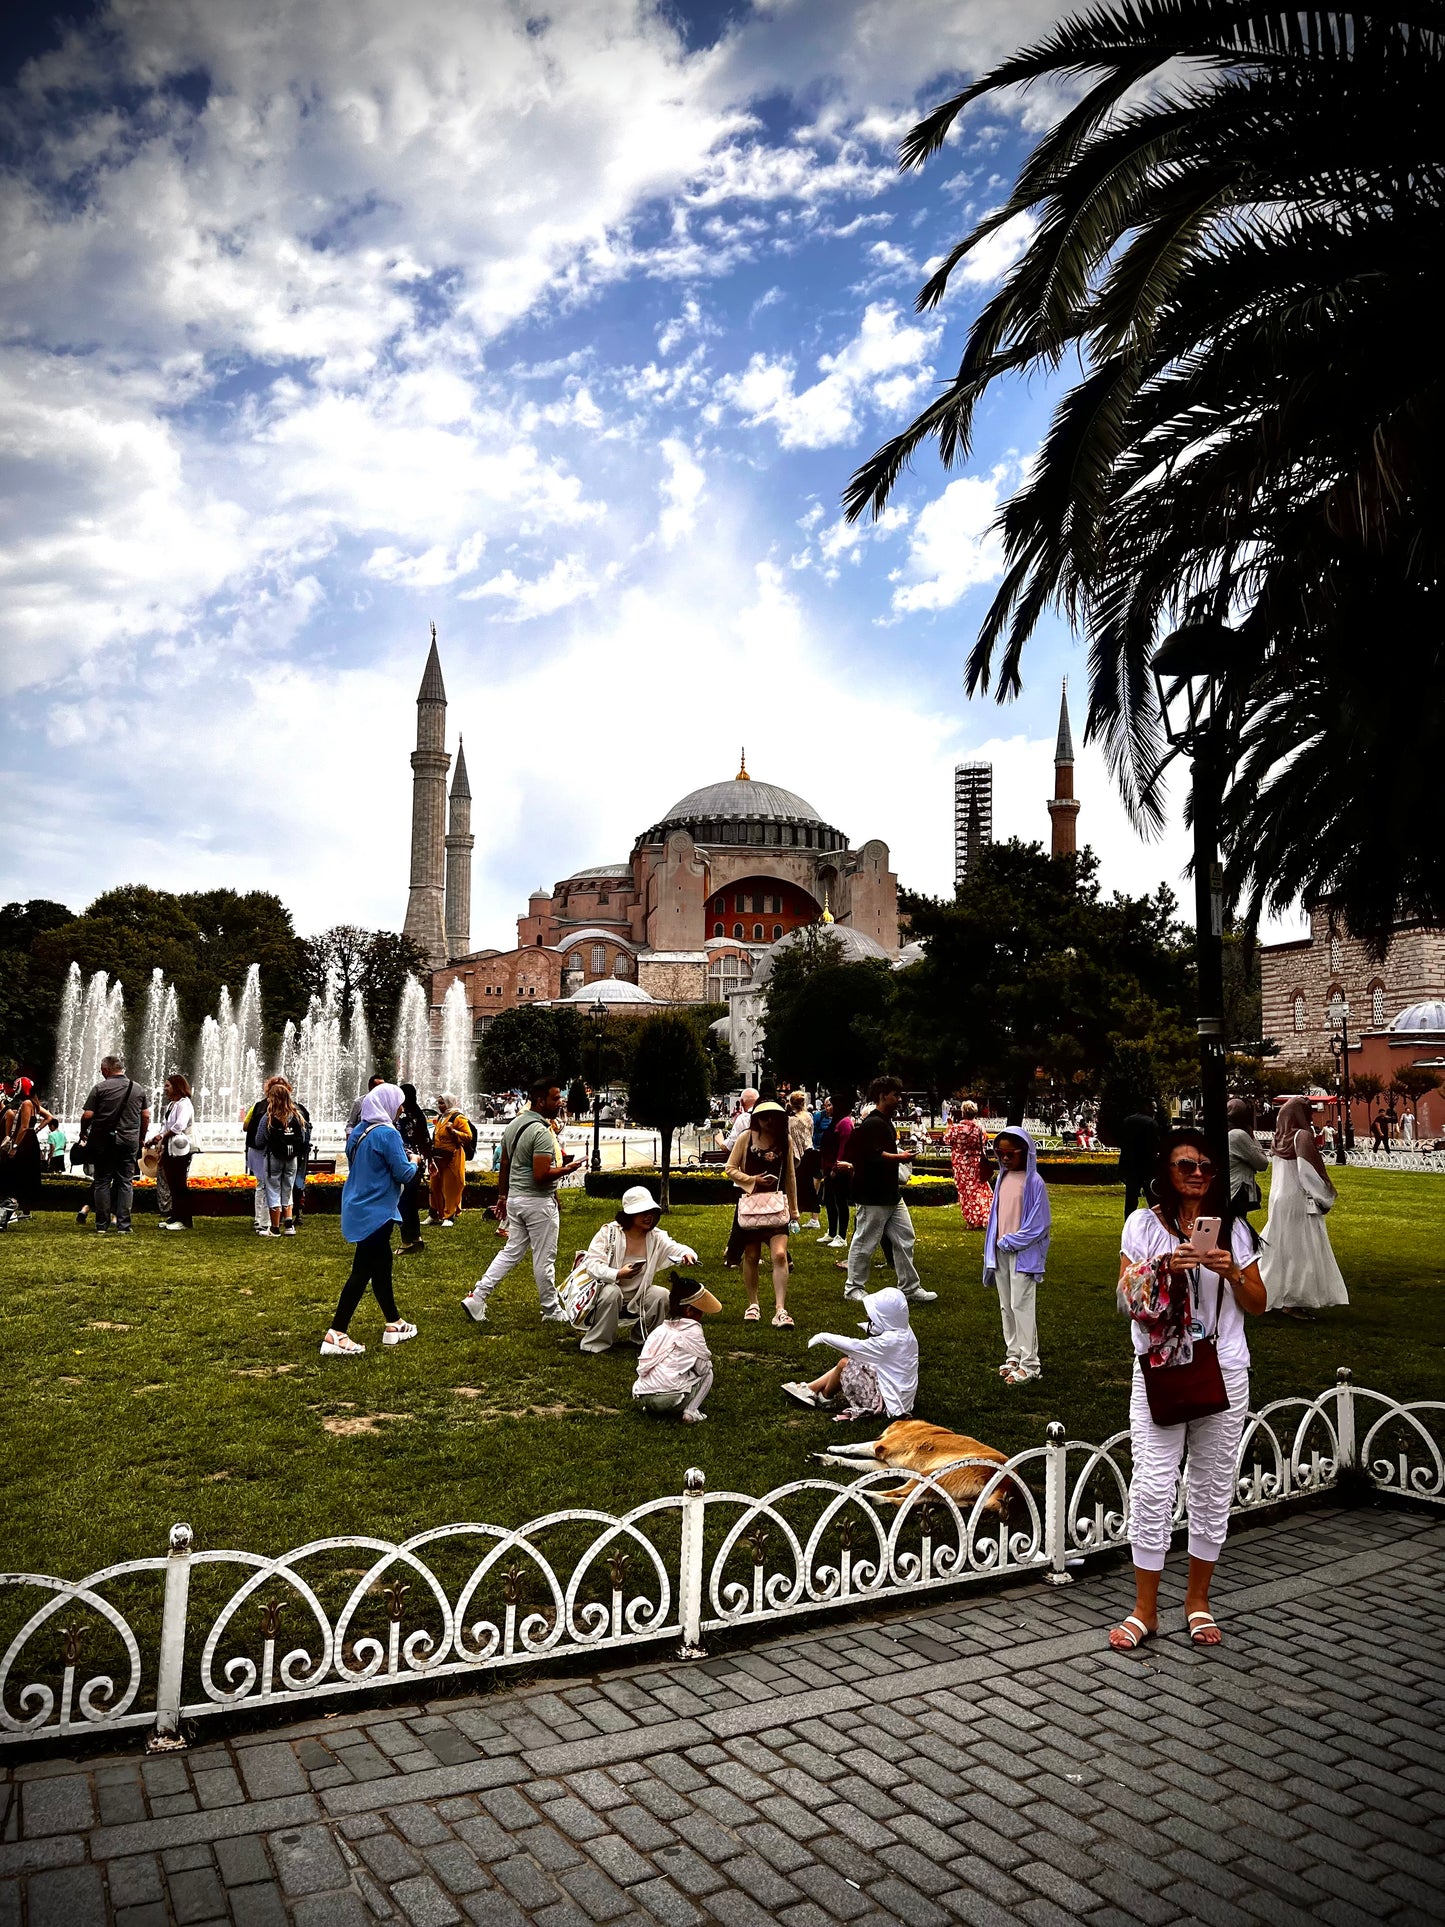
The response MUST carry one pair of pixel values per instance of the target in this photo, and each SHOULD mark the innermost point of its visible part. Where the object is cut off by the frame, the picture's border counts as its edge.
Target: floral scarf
(1159, 1300)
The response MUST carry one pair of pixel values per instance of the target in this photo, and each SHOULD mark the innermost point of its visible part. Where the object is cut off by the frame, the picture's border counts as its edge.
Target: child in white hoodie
(674, 1367)
(877, 1373)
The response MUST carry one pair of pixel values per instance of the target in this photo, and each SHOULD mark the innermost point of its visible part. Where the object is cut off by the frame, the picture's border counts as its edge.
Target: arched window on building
(777, 931)
(1335, 1006)
(622, 964)
(757, 933)
(725, 974)
(1377, 1006)
(577, 962)
(1337, 956)
(1299, 1010)
(738, 931)
(717, 929)
(599, 959)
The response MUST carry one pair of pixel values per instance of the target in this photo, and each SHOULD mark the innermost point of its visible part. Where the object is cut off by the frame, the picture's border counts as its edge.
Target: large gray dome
(1428, 1017)
(742, 797)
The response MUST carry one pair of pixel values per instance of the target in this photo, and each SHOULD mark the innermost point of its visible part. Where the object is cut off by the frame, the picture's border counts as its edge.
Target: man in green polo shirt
(527, 1203)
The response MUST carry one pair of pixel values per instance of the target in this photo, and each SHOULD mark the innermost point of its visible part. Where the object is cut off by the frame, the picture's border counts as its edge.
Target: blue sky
(560, 327)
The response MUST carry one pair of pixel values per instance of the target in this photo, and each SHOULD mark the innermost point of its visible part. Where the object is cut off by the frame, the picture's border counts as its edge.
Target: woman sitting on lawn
(877, 1373)
(624, 1258)
(377, 1167)
(674, 1368)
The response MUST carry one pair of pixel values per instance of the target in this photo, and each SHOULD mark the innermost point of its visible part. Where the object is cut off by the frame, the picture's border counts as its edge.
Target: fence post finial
(1056, 1505)
(167, 1737)
(1345, 1418)
(689, 1571)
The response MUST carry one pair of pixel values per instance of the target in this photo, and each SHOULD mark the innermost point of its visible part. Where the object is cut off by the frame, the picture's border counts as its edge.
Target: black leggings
(835, 1196)
(370, 1266)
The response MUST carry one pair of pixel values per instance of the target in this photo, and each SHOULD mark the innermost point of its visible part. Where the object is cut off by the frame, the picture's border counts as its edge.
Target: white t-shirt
(1145, 1238)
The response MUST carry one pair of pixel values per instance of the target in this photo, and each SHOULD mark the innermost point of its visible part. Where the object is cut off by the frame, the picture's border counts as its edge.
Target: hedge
(235, 1199)
(696, 1187)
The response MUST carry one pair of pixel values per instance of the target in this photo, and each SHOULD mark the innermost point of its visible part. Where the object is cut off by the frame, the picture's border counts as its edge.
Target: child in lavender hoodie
(1016, 1250)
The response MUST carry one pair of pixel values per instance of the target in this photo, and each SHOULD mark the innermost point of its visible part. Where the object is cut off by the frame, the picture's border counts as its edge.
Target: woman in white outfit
(1196, 1295)
(1297, 1265)
(624, 1259)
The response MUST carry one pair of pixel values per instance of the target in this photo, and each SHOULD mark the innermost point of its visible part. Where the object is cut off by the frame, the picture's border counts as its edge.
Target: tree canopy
(826, 1020)
(669, 1084)
(1238, 240)
(524, 1045)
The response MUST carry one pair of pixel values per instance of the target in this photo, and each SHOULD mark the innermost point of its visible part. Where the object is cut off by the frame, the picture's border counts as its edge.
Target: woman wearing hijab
(452, 1140)
(377, 1169)
(1016, 1249)
(411, 1122)
(964, 1140)
(1297, 1265)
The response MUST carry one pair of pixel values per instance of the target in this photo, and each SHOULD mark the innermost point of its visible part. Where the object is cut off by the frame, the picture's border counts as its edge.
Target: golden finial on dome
(742, 775)
(827, 916)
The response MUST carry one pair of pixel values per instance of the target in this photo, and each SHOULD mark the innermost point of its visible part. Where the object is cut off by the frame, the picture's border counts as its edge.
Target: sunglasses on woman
(1194, 1167)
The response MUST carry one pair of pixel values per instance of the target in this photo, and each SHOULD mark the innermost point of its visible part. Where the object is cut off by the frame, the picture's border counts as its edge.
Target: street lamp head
(1189, 669)
(598, 1013)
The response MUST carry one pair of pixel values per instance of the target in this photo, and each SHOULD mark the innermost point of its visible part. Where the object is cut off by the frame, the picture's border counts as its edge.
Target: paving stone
(419, 1824)
(618, 1860)
(242, 1861)
(545, 1844)
(525, 1881)
(388, 1858)
(196, 1896)
(422, 1901)
(457, 1867)
(753, 1876)
(133, 1881)
(258, 1906)
(663, 1901)
(57, 1806)
(66, 1897)
(307, 1860)
(493, 1910)
(331, 1910)
(270, 1770)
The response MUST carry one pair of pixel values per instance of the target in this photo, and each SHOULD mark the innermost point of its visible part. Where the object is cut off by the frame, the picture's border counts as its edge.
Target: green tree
(1412, 1082)
(669, 1085)
(1237, 230)
(1369, 1088)
(522, 1046)
(29, 996)
(825, 1020)
(724, 1073)
(1030, 973)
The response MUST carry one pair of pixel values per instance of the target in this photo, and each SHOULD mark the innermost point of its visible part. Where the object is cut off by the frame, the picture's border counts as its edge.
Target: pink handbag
(764, 1211)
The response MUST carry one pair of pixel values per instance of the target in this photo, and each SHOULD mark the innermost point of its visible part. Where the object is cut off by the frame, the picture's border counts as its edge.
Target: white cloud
(954, 546)
(880, 368)
(681, 489)
(991, 260)
(568, 580)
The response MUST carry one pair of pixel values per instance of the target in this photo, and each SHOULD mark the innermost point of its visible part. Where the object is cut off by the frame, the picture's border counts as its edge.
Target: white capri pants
(532, 1224)
(1157, 1449)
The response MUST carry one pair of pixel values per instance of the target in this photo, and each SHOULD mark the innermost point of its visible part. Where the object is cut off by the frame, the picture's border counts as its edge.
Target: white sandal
(338, 1345)
(398, 1333)
(1136, 1639)
(1206, 1622)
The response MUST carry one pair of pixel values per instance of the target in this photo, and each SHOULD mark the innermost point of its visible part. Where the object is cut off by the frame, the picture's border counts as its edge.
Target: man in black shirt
(873, 1160)
(115, 1120)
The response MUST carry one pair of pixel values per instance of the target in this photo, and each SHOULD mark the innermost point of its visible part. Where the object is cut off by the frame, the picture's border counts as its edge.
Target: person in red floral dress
(966, 1142)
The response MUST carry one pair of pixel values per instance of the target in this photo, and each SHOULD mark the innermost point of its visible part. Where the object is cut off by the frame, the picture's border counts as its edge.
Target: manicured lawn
(159, 1378)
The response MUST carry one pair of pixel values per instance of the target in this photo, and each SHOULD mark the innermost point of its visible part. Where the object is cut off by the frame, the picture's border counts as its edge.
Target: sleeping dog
(912, 1445)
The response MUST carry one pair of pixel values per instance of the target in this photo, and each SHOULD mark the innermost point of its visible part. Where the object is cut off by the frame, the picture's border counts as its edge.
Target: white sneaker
(268, 1233)
(826, 1239)
(694, 1418)
(175, 1227)
(338, 1345)
(475, 1308)
(838, 1244)
(918, 1296)
(557, 1317)
(398, 1333)
(447, 1224)
(801, 1394)
(288, 1231)
(810, 1224)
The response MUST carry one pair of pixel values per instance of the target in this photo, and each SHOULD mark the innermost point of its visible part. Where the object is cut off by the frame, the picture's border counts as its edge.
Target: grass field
(158, 1378)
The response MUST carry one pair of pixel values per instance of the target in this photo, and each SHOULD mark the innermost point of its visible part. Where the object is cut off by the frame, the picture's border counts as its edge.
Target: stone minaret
(459, 861)
(426, 905)
(1063, 808)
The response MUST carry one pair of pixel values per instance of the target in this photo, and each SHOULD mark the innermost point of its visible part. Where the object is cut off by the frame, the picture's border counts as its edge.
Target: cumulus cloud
(681, 489)
(881, 367)
(954, 545)
(991, 260)
(568, 580)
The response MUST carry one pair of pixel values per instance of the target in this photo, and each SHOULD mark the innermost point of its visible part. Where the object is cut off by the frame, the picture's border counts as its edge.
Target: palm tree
(1238, 234)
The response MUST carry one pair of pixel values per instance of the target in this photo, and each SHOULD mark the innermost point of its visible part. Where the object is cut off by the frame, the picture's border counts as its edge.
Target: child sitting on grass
(877, 1373)
(674, 1367)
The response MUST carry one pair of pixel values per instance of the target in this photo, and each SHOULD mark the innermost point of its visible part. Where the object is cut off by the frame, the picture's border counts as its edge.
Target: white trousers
(1212, 1444)
(532, 1225)
(1017, 1292)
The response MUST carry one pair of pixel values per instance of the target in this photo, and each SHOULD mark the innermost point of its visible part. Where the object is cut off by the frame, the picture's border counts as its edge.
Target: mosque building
(706, 890)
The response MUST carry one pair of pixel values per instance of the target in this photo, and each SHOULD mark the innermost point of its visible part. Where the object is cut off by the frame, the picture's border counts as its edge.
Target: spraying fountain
(92, 1026)
(158, 1038)
(458, 1066)
(229, 1072)
(413, 1038)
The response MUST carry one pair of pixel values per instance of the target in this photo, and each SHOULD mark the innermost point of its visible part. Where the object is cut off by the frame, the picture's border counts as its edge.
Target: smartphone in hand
(1205, 1235)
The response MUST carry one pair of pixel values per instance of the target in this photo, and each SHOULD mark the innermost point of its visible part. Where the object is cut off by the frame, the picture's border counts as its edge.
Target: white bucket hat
(637, 1199)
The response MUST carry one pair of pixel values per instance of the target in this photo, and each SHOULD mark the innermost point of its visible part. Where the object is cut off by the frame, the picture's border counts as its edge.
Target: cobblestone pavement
(986, 1760)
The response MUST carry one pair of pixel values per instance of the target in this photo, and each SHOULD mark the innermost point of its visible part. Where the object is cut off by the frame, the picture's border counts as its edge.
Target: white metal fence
(159, 1642)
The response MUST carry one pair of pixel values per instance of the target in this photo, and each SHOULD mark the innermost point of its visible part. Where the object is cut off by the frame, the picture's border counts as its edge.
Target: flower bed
(230, 1197)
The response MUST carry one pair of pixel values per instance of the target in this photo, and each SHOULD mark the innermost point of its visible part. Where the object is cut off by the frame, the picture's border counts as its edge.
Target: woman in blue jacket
(1016, 1249)
(377, 1168)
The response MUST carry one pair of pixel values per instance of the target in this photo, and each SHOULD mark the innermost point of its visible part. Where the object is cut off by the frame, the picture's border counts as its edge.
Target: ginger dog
(912, 1445)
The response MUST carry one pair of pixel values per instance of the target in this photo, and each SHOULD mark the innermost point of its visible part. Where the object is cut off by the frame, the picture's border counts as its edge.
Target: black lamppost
(1189, 673)
(1339, 1016)
(598, 1015)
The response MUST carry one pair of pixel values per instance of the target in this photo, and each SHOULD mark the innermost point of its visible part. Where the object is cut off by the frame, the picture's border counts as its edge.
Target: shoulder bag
(1179, 1393)
(764, 1211)
(1319, 1193)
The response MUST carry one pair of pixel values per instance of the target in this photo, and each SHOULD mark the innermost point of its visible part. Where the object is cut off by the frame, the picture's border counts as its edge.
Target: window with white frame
(1299, 1010)
(599, 959)
(1377, 1006)
(1337, 956)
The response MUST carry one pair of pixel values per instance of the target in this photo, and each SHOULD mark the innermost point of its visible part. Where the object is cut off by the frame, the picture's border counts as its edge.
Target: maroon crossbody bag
(1179, 1393)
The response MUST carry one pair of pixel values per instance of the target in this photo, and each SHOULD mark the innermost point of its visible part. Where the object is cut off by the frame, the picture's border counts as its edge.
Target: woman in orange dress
(966, 1143)
(452, 1139)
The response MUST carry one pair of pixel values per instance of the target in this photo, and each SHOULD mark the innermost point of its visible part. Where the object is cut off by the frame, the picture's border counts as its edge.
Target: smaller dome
(1428, 1016)
(911, 953)
(599, 870)
(609, 990)
(854, 946)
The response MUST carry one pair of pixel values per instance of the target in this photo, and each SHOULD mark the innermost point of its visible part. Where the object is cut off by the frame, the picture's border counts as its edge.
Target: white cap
(637, 1199)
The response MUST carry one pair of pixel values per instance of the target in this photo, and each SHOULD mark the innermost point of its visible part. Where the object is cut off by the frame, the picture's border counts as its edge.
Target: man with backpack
(113, 1122)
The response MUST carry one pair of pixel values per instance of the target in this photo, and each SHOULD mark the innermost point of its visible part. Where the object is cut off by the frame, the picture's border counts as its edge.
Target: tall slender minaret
(1063, 808)
(459, 861)
(426, 905)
